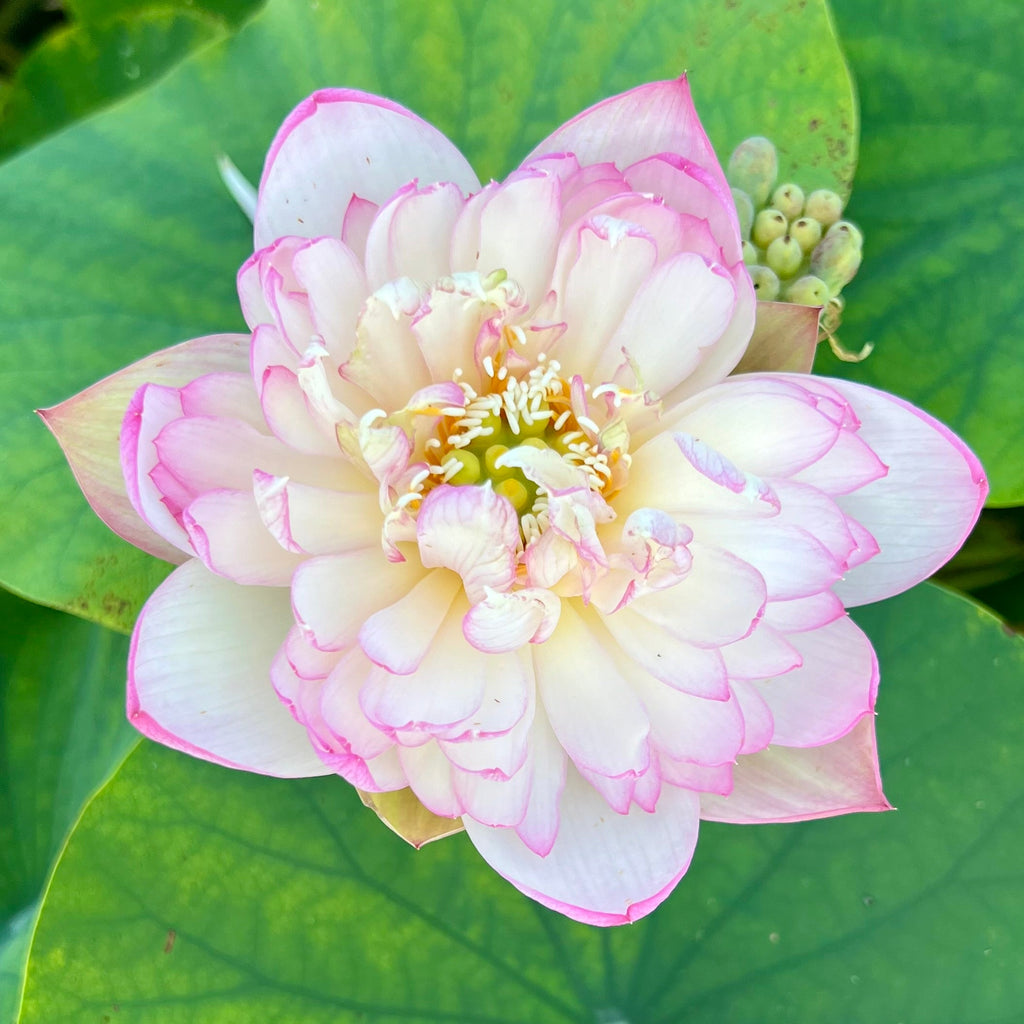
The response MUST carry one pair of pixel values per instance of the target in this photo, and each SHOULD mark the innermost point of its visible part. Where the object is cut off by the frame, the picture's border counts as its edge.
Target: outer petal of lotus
(695, 192)
(340, 144)
(797, 784)
(87, 428)
(785, 339)
(655, 118)
(403, 813)
(199, 674)
(603, 868)
(922, 510)
(832, 689)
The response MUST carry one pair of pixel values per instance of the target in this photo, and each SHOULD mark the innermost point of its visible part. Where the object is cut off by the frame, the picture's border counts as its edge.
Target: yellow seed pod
(824, 206)
(753, 167)
(766, 283)
(847, 230)
(808, 291)
(807, 232)
(769, 224)
(836, 259)
(789, 200)
(784, 256)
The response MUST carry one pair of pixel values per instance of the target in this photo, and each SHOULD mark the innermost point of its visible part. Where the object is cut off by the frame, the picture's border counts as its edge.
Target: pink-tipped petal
(539, 827)
(516, 231)
(680, 310)
(603, 265)
(830, 692)
(157, 497)
(494, 801)
(674, 662)
(335, 283)
(655, 118)
(758, 722)
(693, 190)
(721, 600)
(592, 708)
(199, 674)
(342, 143)
(923, 509)
(333, 595)
(398, 637)
(430, 775)
(87, 427)
(720, 359)
(803, 612)
(386, 362)
(404, 238)
(763, 653)
(603, 868)
(316, 520)
(799, 783)
(499, 756)
(341, 711)
(767, 427)
(227, 533)
(355, 227)
(504, 622)
(472, 531)
(445, 689)
(205, 453)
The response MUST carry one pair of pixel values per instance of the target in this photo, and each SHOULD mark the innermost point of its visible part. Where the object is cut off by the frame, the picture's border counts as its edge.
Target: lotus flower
(477, 509)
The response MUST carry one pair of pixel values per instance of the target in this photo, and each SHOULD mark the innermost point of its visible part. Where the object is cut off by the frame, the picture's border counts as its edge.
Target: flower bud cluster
(797, 247)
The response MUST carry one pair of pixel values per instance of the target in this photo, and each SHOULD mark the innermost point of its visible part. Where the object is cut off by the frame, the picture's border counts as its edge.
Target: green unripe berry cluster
(796, 246)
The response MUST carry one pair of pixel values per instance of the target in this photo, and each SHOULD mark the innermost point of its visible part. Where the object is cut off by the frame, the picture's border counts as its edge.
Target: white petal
(592, 708)
(604, 868)
(199, 674)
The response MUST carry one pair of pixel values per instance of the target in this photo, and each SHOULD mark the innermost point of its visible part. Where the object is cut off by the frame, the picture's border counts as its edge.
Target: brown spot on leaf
(171, 936)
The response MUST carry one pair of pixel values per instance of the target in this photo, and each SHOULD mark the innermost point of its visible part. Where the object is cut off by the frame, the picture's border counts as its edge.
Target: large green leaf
(119, 238)
(84, 66)
(93, 11)
(110, 49)
(62, 730)
(939, 195)
(189, 893)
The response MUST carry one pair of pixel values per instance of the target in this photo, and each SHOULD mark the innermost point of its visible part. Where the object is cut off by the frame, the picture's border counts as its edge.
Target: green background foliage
(192, 893)
(62, 731)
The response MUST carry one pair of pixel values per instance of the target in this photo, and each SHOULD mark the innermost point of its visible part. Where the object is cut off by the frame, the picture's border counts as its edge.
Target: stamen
(417, 481)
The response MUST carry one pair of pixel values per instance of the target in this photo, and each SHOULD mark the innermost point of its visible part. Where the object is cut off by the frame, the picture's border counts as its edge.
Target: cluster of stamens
(510, 410)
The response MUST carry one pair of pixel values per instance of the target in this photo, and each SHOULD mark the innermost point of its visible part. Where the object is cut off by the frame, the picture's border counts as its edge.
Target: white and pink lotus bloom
(476, 508)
